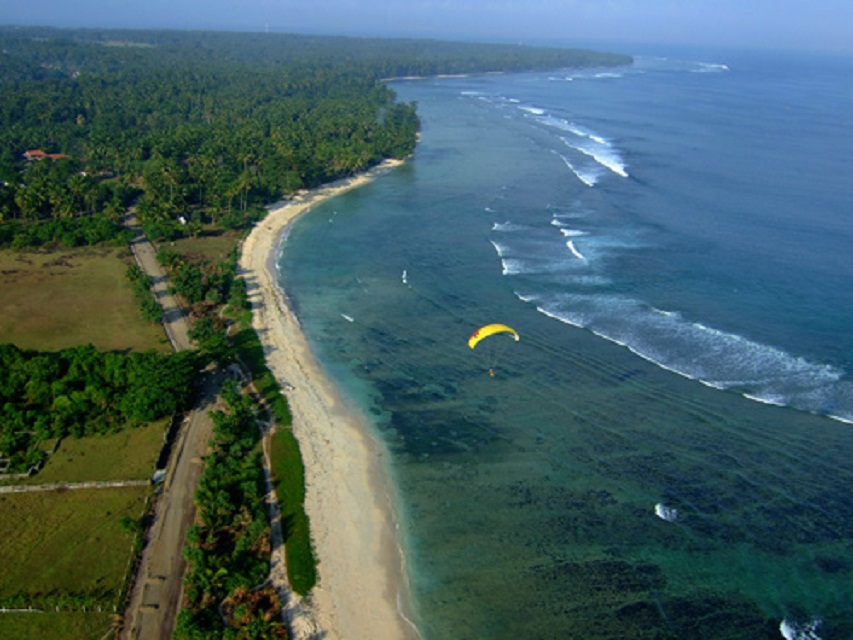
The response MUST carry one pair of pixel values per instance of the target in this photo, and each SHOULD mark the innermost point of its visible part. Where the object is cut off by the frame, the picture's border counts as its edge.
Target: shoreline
(362, 589)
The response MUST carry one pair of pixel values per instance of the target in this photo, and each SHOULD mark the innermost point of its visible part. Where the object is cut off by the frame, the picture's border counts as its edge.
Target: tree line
(226, 591)
(82, 391)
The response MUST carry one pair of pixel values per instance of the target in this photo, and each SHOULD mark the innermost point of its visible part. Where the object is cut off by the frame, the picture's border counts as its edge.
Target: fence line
(53, 486)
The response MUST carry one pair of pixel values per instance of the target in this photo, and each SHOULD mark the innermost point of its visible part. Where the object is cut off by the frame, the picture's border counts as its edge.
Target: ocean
(666, 450)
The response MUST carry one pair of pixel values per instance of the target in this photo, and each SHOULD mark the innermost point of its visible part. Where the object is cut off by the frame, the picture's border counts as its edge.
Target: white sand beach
(361, 592)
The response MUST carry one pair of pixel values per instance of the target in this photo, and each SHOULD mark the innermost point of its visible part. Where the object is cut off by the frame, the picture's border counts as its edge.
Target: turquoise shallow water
(671, 242)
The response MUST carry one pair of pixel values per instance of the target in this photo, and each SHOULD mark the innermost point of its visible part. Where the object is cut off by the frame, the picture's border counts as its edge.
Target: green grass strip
(287, 466)
(289, 481)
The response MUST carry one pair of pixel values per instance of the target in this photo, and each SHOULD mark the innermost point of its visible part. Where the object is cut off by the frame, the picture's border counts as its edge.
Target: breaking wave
(666, 513)
(603, 154)
(709, 67)
(589, 176)
(800, 630)
(716, 358)
(577, 254)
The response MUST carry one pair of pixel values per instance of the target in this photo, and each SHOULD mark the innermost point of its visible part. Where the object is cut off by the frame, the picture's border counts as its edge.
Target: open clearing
(128, 455)
(67, 541)
(68, 625)
(208, 246)
(60, 299)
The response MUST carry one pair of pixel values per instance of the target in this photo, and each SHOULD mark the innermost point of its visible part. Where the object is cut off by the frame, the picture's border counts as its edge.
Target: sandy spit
(361, 592)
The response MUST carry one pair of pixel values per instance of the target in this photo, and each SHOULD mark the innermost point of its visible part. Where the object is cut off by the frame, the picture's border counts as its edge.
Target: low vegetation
(59, 299)
(141, 283)
(56, 624)
(67, 549)
(128, 454)
(289, 478)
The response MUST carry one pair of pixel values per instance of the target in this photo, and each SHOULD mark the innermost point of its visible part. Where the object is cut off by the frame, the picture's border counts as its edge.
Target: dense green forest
(204, 127)
(82, 391)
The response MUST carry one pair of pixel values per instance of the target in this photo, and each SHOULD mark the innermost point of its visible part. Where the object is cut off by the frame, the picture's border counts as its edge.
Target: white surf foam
(589, 143)
(604, 155)
(558, 219)
(583, 132)
(666, 513)
(536, 111)
(564, 319)
(500, 248)
(506, 227)
(668, 314)
(572, 233)
(588, 176)
(718, 359)
(800, 630)
(347, 318)
(775, 400)
(710, 67)
(577, 254)
(644, 63)
(580, 131)
(511, 267)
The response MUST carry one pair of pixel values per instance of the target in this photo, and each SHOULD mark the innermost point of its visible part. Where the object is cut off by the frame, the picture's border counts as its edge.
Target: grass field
(68, 625)
(127, 455)
(67, 541)
(208, 246)
(53, 300)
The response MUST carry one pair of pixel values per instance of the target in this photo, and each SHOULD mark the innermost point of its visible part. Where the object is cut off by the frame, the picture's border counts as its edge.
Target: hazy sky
(789, 24)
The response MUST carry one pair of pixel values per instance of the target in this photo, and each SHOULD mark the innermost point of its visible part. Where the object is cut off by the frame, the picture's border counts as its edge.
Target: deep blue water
(653, 458)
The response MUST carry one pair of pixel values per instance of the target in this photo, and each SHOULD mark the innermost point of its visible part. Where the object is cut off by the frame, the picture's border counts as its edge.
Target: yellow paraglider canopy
(490, 330)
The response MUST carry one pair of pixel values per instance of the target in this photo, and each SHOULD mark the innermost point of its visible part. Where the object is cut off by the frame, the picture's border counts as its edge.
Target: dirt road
(156, 594)
(174, 319)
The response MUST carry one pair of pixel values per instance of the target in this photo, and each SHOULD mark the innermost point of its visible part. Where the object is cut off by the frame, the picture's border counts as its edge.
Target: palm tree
(30, 200)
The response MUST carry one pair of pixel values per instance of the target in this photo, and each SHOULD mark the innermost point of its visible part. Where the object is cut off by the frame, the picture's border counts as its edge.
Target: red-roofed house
(38, 154)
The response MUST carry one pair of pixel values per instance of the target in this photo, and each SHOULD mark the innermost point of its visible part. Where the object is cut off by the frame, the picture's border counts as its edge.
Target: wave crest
(800, 630)
(716, 358)
(663, 512)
